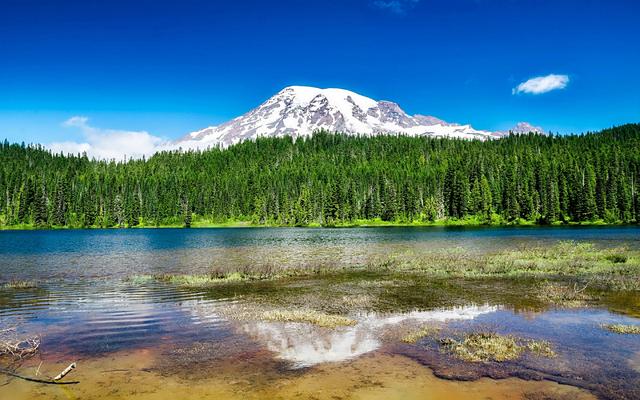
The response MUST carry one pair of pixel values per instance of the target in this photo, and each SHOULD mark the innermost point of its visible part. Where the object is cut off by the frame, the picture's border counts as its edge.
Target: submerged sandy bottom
(191, 347)
(133, 375)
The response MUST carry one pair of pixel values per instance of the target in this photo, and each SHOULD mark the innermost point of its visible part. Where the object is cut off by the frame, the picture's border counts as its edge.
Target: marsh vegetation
(490, 346)
(569, 273)
(20, 284)
(623, 329)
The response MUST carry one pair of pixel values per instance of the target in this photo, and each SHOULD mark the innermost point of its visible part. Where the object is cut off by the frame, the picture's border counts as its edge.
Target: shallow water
(113, 254)
(131, 338)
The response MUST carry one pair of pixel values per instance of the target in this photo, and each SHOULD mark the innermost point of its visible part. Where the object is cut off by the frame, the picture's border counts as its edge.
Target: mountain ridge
(298, 111)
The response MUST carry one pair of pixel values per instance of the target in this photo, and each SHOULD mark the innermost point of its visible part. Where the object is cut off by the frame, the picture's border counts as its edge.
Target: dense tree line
(333, 179)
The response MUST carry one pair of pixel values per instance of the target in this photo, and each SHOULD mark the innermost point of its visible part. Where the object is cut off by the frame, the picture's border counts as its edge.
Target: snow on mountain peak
(521, 128)
(299, 111)
(303, 95)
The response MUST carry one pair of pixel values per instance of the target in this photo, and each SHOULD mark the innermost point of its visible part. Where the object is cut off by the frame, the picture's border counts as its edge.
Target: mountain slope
(300, 110)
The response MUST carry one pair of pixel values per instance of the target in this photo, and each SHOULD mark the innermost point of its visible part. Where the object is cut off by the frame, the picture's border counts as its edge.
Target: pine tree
(118, 211)
(390, 203)
(40, 217)
(186, 213)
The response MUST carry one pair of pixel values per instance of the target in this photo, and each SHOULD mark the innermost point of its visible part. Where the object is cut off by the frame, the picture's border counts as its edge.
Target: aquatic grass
(252, 311)
(614, 268)
(565, 295)
(203, 280)
(567, 258)
(257, 272)
(359, 301)
(188, 280)
(20, 284)
(493, 347)
(581, 263)
(414, 337)
(541, 348)
(622, 329)
(307, 316)
(483, 347)
(617, 258)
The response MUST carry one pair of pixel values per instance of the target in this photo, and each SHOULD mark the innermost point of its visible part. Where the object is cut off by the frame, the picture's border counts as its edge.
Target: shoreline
(356, 224)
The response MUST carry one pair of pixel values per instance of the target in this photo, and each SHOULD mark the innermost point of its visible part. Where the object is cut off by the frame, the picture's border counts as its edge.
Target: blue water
(79, 254)
(101, 241)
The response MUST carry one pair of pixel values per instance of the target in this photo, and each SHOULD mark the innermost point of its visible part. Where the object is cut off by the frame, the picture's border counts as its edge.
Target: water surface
(85, 309)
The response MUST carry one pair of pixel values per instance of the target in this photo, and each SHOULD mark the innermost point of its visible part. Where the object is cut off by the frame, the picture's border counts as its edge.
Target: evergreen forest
(333, 180)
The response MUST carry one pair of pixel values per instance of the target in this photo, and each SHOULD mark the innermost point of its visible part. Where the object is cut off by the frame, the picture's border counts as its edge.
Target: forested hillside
(333, 179)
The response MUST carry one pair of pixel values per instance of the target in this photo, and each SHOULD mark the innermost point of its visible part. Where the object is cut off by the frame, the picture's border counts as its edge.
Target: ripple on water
(85, 319)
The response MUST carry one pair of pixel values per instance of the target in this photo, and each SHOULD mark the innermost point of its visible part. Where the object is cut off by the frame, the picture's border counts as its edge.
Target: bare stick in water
(30, 379)
(65, 372)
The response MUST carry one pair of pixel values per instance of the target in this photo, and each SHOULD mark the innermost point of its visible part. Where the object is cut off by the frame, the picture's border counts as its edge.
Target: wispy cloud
(399, 7)
(542, 84)
(108, 143)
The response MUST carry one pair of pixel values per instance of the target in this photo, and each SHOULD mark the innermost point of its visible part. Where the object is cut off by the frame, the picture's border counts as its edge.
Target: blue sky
(171, 67)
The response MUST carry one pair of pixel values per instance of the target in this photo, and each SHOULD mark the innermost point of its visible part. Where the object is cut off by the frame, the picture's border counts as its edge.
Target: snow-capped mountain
(300, 110)
(520, 129)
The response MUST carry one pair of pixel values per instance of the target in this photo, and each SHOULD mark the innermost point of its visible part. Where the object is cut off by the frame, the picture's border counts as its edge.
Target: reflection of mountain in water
(305, 345)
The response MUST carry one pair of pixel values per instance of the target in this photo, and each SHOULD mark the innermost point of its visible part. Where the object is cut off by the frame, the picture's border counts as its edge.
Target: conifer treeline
(333, 179)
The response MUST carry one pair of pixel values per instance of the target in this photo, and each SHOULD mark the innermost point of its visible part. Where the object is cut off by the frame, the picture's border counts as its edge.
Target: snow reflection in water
(305, 345)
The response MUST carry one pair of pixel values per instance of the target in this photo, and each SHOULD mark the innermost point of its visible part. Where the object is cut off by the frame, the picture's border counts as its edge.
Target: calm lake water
(113, 254)
(131, 339)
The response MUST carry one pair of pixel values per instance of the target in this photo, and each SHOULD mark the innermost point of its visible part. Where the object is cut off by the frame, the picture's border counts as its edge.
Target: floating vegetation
(489, 346)
(622, 329)
(20, 284)
(414, 337)
(307, 316)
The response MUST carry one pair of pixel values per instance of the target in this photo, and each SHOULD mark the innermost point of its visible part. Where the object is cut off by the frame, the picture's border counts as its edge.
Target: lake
(103, 299)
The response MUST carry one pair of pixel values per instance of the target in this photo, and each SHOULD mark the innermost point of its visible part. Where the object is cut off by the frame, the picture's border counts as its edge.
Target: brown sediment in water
(132, 375)
(602, 377)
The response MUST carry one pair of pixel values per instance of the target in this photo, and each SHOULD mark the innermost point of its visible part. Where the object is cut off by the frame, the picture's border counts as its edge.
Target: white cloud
(395, 6)
(542, 84)
(77, 121)
(109, 143)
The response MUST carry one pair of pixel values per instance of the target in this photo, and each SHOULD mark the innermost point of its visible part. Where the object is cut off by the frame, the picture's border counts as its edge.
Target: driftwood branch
(31, 379)
(65, 372)
(16, 347)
